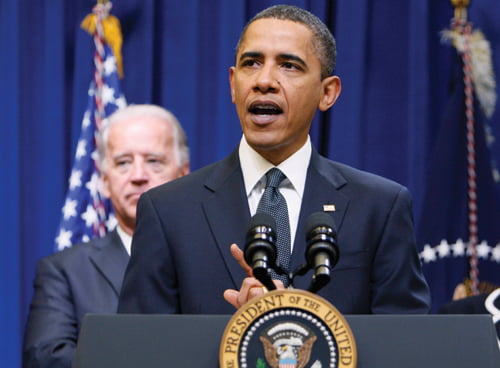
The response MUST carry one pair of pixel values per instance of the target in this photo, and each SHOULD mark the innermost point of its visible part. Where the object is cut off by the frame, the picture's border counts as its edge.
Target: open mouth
(260, 108)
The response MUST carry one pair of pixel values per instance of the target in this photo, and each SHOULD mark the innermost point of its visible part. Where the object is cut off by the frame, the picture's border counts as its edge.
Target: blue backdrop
(397, 83)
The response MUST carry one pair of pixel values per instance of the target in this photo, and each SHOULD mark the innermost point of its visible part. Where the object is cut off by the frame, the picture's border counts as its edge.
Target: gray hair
(323, 40)
(181, 148)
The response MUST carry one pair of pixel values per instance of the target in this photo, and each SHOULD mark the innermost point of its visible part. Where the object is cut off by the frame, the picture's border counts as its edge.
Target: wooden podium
(192, 341)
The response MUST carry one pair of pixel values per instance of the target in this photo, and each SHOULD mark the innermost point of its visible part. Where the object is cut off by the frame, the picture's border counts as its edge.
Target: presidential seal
(287, 329)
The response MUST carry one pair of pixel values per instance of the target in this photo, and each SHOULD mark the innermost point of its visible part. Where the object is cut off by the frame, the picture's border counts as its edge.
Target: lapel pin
(329, 208)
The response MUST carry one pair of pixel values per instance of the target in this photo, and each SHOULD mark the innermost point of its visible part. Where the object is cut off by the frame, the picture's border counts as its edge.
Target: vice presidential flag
(459, 233)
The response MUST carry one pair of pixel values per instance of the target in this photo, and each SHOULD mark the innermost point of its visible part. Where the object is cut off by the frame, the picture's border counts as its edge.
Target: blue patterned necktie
(272, 202)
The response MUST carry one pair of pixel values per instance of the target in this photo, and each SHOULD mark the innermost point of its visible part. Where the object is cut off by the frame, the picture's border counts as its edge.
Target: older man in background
(140, 147)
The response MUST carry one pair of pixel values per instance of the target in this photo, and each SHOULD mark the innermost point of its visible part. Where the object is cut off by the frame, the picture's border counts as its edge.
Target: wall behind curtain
(394, 70)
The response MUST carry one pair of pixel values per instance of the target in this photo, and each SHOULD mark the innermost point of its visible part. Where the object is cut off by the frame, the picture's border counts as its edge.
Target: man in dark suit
(140, 146)
(181, 257)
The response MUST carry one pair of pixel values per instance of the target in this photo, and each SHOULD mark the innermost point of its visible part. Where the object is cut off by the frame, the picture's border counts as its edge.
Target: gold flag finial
(460, 8)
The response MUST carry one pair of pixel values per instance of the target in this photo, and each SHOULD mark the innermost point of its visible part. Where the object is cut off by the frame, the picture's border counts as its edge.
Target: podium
(385, 341)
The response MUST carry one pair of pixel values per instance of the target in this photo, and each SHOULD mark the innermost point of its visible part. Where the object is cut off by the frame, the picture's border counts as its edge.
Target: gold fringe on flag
(112, 35)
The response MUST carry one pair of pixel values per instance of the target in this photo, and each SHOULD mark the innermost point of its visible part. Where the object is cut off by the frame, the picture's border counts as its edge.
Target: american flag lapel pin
(328, 208)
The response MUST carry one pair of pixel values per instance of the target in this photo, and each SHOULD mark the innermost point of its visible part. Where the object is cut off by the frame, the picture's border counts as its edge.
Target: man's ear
(105, 186)
(331, 91)
(231, 82)
(184, 169)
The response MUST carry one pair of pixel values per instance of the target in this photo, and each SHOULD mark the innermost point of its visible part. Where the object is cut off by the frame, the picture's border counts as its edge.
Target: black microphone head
(321, 235)
(261, 219)
(261, 236)
(319, 219)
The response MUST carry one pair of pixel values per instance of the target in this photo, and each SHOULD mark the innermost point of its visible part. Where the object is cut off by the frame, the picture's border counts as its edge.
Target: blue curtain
(395, 75)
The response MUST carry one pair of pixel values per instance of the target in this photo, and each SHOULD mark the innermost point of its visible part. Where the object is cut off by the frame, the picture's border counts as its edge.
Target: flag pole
(463, 29)
(105, 29)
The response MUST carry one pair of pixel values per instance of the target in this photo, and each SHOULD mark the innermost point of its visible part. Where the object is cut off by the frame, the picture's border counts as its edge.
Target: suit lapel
(111, 259)
(227, 211)
(320, 195)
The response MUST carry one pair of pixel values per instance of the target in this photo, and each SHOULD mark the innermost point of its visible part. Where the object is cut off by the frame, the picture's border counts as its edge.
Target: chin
(261, 144)
(261, 135)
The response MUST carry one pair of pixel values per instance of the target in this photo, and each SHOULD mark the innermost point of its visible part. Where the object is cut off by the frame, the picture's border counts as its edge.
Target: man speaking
(181, 259)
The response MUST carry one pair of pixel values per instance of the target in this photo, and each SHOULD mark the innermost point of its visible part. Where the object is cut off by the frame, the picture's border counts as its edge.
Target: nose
(266, 80)
(139, 174)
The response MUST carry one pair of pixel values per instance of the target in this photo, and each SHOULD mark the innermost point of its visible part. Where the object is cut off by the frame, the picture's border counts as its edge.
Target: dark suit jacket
(83, 279)
(180, 251)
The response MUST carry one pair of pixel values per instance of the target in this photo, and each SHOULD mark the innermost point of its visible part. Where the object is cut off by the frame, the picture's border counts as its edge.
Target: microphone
(322, 253)
(260, 247)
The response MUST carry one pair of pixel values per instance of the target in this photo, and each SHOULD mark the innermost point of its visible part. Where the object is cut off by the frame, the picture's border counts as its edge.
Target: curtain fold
(10, 227)
(347, 116)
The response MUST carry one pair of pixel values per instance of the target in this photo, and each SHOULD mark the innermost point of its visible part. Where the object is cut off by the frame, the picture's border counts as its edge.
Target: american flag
(86, 214)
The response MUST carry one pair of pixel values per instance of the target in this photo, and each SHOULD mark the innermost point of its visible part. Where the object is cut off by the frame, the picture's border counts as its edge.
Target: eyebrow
(120, 156)
(289, 57)
(250, 55)
(292, 57)
(144, 154)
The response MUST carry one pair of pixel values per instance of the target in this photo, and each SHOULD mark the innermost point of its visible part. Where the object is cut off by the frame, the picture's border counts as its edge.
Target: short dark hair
(324, 42)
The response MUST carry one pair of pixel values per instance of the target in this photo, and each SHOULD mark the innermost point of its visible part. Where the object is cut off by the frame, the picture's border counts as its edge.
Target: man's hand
(239, 256)
(250, 287)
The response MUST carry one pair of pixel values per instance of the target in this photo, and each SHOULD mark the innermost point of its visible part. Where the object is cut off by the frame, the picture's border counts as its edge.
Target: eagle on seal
(287, 355)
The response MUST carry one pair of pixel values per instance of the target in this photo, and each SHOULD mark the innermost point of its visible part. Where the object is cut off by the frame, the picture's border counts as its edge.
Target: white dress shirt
(254, 168)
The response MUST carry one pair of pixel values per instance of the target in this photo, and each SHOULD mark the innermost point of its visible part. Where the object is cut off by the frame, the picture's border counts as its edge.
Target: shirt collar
(125, 238)
(254, 166)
